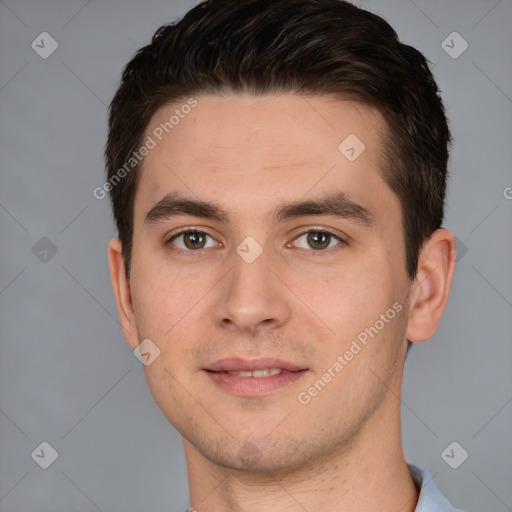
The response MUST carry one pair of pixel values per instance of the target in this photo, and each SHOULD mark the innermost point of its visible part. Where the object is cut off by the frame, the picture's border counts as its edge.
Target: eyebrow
(336, 204)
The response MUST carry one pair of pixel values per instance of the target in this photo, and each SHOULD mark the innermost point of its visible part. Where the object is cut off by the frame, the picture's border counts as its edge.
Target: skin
(247, 154)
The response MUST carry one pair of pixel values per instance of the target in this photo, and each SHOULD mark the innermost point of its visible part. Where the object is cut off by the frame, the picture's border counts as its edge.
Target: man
(277, 170)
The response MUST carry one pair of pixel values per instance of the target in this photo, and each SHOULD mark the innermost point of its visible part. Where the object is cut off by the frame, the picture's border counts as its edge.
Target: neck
(368, 473)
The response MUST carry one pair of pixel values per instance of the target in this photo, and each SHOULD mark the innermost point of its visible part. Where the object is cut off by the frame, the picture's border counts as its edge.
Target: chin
(264, 456)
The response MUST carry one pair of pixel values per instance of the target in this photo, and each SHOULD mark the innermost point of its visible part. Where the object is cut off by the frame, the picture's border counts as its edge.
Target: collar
(430, 499)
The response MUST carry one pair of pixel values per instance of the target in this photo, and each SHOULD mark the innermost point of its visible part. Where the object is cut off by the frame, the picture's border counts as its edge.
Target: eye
(317, 240)
(192, 240)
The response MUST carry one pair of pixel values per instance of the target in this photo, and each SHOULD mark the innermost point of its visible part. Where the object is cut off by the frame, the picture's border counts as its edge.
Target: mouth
(255, 377)
(256, 373)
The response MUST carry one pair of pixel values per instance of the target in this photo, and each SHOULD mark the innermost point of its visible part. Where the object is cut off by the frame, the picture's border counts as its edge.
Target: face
(268, 267)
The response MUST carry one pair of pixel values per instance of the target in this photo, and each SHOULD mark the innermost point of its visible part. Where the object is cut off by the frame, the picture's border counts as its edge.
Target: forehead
(242, 147)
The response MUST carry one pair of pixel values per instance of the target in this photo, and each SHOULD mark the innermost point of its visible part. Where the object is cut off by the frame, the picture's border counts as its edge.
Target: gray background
(67, 376)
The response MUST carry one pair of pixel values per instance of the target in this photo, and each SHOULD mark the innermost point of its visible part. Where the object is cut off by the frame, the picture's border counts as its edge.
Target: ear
(121, 287)
(431, 286)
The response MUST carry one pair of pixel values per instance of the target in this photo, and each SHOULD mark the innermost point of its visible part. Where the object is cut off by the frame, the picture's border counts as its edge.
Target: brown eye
(317, 240)
(192, 240)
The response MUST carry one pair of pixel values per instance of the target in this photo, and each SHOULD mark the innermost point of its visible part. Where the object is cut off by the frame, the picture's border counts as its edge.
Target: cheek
(163, 297)
(363, 304)
(350, 298)
(172, 311)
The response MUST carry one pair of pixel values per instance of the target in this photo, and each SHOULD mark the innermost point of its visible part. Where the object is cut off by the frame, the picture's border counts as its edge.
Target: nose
(251, 297)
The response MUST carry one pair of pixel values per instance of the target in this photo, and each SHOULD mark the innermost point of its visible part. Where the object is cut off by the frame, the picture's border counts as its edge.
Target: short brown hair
(310, 47)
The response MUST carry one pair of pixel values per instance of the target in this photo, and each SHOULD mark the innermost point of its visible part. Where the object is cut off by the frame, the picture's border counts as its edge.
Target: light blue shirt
(430, 499)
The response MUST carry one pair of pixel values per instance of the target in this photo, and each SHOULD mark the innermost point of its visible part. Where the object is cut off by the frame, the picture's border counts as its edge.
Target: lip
(253, 386)
(233, 364)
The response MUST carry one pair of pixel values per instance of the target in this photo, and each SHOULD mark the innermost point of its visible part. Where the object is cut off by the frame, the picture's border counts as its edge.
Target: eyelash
(314, 253)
